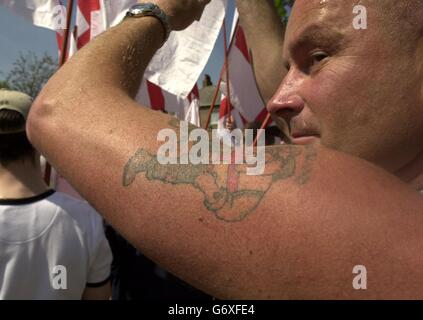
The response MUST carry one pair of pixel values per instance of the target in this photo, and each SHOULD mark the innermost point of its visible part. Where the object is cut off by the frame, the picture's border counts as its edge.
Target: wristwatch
(150, 10)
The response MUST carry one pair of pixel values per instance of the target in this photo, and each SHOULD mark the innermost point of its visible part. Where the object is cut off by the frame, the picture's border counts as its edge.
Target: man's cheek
(338, 82)
(331, 100)
(322, 91)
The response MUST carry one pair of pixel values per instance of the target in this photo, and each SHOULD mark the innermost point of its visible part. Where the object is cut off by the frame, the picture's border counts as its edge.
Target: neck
(21, 179)
(413, 173)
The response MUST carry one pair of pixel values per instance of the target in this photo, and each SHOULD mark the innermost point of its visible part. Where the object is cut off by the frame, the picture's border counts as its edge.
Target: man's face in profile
(357, 91)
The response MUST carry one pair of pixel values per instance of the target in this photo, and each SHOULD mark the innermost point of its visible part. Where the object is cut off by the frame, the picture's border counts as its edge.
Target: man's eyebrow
(317, 35)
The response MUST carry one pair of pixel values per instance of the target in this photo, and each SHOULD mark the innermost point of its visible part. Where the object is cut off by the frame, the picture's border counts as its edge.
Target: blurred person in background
(51, 245)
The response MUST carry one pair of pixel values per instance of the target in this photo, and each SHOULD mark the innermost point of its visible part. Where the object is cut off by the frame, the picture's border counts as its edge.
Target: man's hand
(182, 13)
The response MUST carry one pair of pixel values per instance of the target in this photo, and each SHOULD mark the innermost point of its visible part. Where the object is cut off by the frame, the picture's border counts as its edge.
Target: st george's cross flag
(246, 104)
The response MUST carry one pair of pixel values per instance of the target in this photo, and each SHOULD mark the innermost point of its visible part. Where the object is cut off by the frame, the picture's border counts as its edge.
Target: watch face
(150, 9)
(142, 7)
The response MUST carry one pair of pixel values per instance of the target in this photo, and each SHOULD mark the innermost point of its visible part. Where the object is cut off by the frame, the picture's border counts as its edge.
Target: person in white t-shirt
(51, 245)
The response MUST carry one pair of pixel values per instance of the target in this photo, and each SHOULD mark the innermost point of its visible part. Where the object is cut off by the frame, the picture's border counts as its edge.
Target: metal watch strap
(150, 10)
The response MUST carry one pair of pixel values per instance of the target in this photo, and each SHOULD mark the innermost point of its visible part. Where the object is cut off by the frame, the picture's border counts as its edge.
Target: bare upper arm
(296, 231)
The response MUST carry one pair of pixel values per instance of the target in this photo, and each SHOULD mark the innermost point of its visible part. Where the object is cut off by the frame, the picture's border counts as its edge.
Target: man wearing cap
(51, 246)
(333, 215)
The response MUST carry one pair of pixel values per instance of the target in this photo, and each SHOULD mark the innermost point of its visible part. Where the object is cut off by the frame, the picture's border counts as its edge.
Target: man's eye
(287, 65)
(318, 57)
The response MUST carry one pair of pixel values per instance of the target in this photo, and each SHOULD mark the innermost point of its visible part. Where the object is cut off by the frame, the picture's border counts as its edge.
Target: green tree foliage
(4, 85)
(30, 73)
(281, 7)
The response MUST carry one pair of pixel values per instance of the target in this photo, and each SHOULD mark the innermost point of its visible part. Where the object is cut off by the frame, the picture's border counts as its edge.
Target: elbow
(40, 122)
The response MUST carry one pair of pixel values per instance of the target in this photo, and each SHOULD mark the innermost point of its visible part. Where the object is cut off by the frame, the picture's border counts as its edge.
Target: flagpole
(225, 66)
(216, 93)
(264, 125)
(228, 86)
(65, 43)
(104, 11)
(62, 61)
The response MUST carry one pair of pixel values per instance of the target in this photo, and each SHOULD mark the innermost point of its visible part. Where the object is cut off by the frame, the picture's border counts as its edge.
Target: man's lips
(294, 135)
(303, 140)
(303, 134)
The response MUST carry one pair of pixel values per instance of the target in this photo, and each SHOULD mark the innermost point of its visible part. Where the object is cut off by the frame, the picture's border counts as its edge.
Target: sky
(18, 35)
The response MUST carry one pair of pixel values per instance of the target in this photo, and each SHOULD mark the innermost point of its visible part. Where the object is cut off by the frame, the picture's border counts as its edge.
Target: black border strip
(24, 201)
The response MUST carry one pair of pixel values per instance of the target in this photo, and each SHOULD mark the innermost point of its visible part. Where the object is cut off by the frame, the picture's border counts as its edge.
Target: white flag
(96, 16)
(48, 14)
(177, 66)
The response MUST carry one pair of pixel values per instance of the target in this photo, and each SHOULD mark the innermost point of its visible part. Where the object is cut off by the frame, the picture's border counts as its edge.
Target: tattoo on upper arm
(229, 193)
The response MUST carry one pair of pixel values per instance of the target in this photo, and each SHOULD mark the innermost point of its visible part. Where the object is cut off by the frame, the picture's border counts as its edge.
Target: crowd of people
(343, 189)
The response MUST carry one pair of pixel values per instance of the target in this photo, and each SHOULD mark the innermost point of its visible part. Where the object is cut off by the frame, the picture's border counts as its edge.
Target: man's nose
(286, 102)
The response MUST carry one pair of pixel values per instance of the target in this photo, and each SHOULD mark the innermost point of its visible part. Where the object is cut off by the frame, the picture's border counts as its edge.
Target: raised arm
(265, 32)
(296, 231)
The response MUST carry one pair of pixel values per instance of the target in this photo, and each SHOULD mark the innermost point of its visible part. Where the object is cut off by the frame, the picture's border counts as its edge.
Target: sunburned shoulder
(348, 213)
(322, 178)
